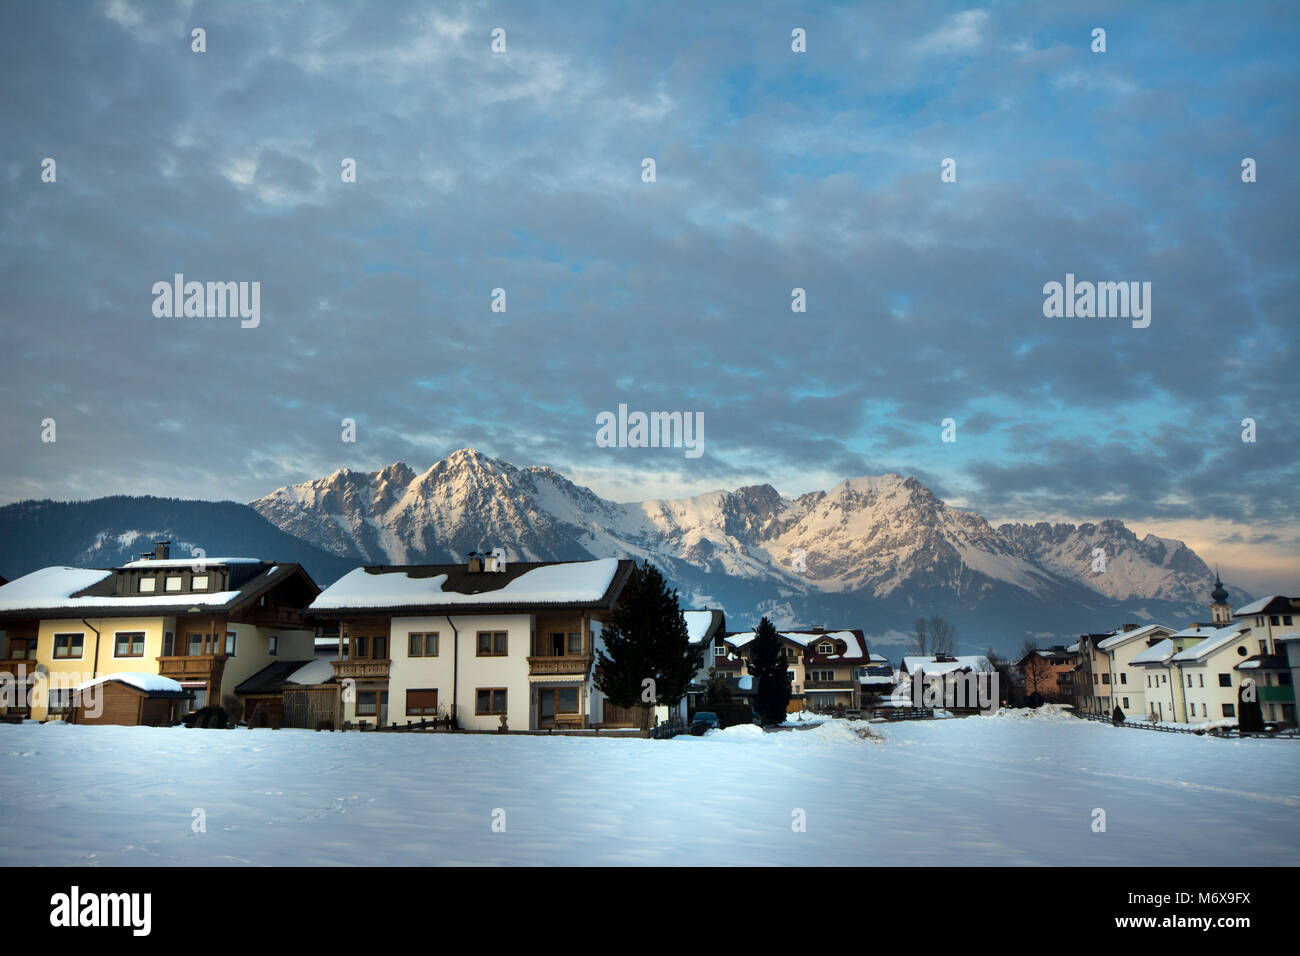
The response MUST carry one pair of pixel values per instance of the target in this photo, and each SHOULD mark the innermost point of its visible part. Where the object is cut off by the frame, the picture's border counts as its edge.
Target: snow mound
(739, 732)
(1046, 712)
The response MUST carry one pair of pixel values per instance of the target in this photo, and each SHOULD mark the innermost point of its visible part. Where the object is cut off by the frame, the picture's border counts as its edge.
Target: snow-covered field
(1010, 789)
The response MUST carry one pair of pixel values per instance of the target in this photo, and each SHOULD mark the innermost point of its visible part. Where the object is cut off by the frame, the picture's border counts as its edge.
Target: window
(1125, 701)
(1225, 680)
(719, 650)
(196, 645)
(60, 700)
(1202, 678)
(1189, 680)
(68, 646)
(129, 644)
(1273, 620)
(1263, 647)
(491, 644)
(825, 647)
(1284, 679)
(148, 585)
(422, 645)
(1148, 680)
(232, 639)
(575, 644)
(421, 703)
(22, 648)
(199, 582)
(1286, 620)
(1105, 678)
(174, 583)
(367, 703)
(379, 649)
(1229, 710)
(1123, 677)
(360, 647)
(273, 645)
(490, 700)
(791, 673)
(169, 644)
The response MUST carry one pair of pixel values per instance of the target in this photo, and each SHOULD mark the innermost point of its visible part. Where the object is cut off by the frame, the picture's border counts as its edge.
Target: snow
(51, 589)
(1255, 607)
(145, 682)
(1155, 654)
(570, 582)
(187, 562)
(1123, 637)
(1213, 641)
(313, 672)
(697, 624)
(928, 665)
(1017, 788)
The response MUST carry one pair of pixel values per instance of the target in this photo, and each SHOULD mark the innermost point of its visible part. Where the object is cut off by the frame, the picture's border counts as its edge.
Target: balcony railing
(23, 666)
(190, 665)
(829, 684)
(560, 665)
(362, 668)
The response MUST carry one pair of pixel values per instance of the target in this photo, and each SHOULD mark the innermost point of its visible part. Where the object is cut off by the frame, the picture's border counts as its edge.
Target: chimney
(475, 562)
(1130, 627)
(161, 550)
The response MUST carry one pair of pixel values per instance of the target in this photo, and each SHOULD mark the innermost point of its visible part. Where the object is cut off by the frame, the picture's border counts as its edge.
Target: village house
(956, 680)
(1116, 683)
(1049, 673)
(207, 624)
(477, 641)
(823, 666)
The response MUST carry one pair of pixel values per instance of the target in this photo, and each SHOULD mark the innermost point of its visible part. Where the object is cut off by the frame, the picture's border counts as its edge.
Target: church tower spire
(1220, 609)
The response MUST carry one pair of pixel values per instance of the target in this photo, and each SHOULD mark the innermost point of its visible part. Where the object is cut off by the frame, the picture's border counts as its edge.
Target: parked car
(704, 720)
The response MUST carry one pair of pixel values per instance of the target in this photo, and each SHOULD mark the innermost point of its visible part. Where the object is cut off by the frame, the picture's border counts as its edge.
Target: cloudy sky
(775, 170)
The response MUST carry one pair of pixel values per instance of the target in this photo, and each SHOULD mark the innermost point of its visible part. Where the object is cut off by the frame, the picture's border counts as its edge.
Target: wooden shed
(128, 700)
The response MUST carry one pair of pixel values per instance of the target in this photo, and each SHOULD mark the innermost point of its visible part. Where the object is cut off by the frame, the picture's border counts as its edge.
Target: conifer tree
(646, 640)
(771, 671)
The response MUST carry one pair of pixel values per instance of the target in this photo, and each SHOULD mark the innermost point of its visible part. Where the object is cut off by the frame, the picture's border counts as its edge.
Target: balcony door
(553, 702)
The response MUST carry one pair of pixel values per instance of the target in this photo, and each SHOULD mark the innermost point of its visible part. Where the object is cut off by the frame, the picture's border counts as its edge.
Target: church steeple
(1220, 609)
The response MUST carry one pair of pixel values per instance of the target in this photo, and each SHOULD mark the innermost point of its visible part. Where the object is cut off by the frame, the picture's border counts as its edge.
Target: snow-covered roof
(560, 583)
(1157, 653)
(187, 562)
(1256, 607)
(315, 672)
(698, 624)
(149, 683)
(928, 665)
(805, 638)
(52, 588)
(1213, 641)
(879, 659)
(1123, 637)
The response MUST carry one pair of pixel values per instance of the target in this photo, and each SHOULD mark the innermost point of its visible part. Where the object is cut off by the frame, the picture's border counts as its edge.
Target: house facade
(824, 666)
(207, 624)
(1116, 682)
(479, 642)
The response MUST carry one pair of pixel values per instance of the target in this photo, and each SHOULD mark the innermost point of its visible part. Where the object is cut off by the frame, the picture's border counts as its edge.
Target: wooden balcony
(546, 666)
(192, 666)
(362, 669)
(19, 668)
(829, 684)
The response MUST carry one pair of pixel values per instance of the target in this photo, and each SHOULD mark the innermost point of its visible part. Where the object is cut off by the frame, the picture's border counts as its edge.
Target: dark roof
(463, 581)
(270, 679)
(1265, 662)
(250, 583)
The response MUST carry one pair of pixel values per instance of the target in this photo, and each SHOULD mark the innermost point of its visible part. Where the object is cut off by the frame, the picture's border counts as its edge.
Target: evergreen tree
(646, 639)
(716, 690)
(1250, 719)
(1117, 716)
(771, 671)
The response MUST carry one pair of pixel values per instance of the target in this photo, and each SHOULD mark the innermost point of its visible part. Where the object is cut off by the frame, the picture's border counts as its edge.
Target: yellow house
(207, 623)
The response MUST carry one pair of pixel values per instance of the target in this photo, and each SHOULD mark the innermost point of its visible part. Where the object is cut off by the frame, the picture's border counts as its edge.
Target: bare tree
(943, 636)
(921, 637)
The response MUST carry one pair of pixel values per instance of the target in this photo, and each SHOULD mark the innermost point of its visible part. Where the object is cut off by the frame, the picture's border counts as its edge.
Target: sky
(775, 170)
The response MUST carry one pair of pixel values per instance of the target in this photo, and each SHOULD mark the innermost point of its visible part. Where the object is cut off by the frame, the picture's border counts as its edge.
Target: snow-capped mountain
(872, 552)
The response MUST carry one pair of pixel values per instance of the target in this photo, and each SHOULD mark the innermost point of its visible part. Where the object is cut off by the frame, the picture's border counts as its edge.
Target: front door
(553, 702)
